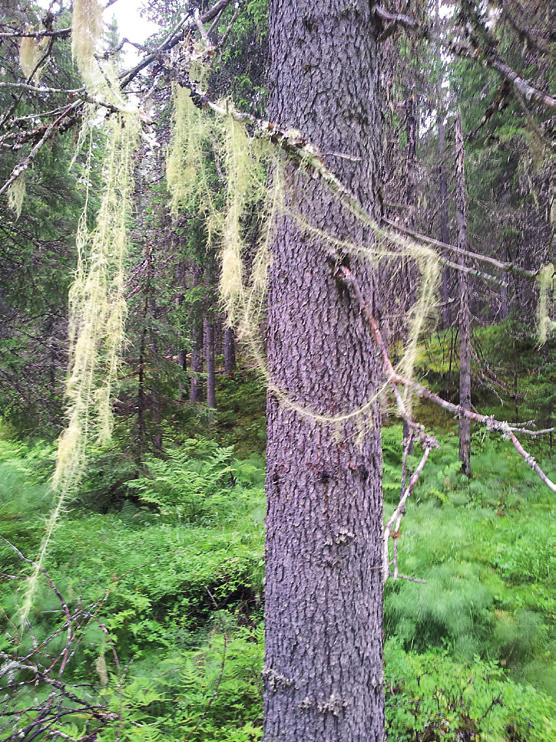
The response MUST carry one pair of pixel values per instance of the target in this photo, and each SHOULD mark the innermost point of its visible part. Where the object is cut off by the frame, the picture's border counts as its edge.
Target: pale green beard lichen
(97, 307)
(547, 302)
(86, 33)
(96, 324)
(243, 296)
(16, 195)
(243, 176)
(192, 134)
(27, 55)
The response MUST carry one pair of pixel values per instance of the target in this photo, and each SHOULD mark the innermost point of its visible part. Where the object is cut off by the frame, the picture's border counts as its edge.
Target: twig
(506, 267)
(398, 514)
(405, 577)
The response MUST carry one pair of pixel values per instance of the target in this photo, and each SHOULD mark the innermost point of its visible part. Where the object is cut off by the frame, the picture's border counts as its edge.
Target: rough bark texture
(323, 663)
(464, 320)
(411, 156)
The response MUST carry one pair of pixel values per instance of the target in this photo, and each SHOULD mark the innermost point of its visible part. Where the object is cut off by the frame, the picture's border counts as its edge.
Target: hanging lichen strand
(547, 302)
(185, 173)
(30, 50)
(86, 32)
(198, 138)
(97, 307)
(97, 311)
(245, 185)
(16, 195)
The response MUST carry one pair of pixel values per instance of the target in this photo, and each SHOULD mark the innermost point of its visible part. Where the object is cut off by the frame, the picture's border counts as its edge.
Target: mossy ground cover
(468, 656)
(513, 377)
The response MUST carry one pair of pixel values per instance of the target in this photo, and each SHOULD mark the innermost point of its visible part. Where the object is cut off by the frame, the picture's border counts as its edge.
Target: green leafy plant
(192, 481)
(429, 698)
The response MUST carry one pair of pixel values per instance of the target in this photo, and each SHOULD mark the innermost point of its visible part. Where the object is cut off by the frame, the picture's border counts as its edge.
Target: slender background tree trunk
(209, 352)
(464, 319)
(444, 229)
(323, 662)
(196, 391)
(410, 196)
(229, 350)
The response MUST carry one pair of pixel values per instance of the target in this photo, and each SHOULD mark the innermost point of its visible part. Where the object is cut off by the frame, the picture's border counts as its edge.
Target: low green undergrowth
(485, 547)
(177, 572)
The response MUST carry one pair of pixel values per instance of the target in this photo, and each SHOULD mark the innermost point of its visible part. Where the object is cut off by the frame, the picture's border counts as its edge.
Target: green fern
(194, 479)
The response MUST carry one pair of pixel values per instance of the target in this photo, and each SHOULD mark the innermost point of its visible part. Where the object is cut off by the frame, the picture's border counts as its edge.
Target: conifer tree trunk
(323, 651)
(209, 352)
(196, 391)
(182, 353)
(411, 155)
(464, 319)
(444, 229)
(410, 196)
(442, 189)
(229, 350)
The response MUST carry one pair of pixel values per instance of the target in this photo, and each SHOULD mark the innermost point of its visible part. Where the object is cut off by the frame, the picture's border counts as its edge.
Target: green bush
(190, 482)
(430, 697)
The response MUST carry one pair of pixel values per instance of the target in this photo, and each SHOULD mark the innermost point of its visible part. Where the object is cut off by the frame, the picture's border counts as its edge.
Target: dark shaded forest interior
(277, 371)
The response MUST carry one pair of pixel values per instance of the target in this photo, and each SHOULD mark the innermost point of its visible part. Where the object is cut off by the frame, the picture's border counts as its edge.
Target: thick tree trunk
(464, 320)
(229, 350)
(323, 662)
(209, 353)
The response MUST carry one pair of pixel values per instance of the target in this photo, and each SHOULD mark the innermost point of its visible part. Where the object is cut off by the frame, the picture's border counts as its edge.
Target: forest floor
(172, 562)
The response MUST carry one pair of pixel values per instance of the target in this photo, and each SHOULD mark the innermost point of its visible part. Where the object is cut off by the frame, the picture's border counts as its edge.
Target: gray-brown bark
(464, 320)
(323, 661)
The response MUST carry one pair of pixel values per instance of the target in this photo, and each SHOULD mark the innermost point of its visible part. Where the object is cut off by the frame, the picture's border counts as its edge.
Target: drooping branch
(24, 164)
(40, 135)
(173, 38)
(504, 428)
(502, 266)
(428, 442)
(300, 151)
